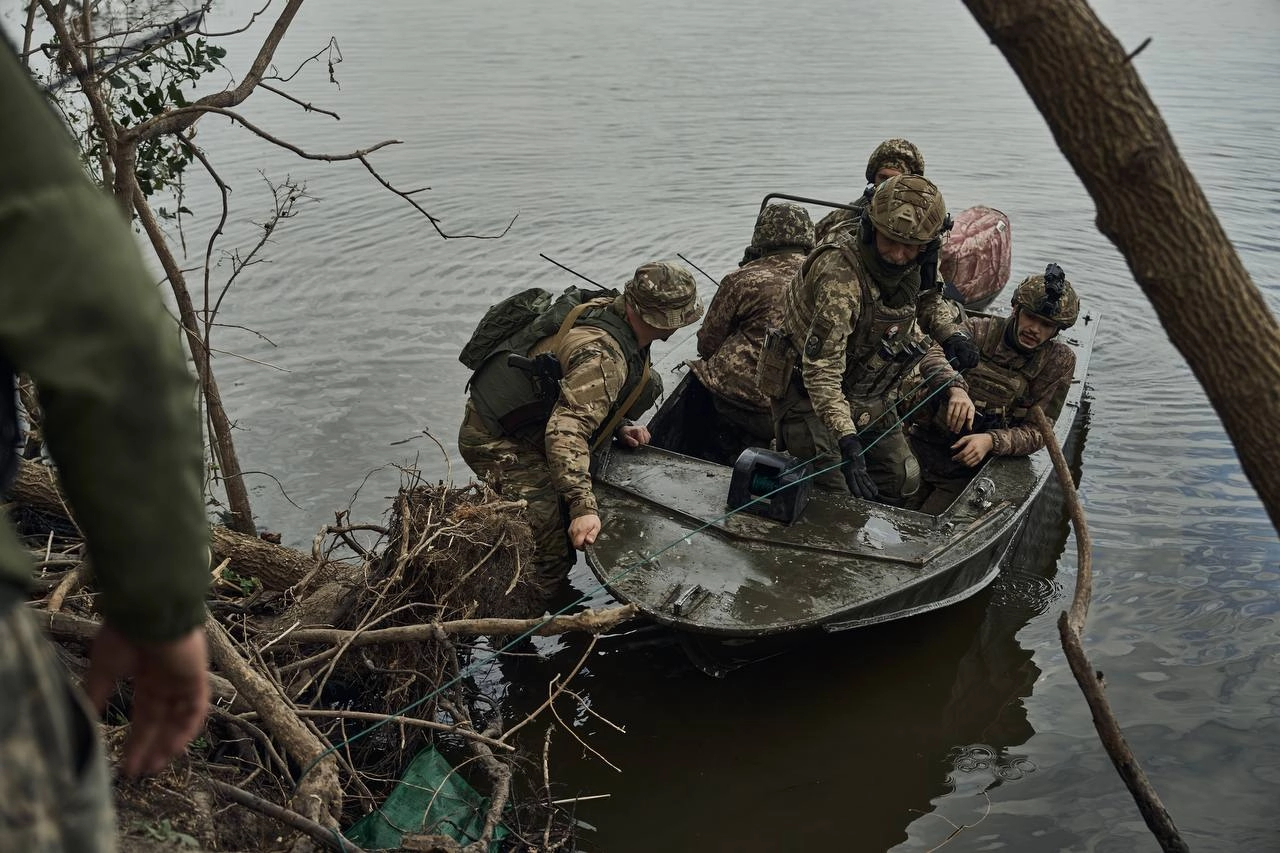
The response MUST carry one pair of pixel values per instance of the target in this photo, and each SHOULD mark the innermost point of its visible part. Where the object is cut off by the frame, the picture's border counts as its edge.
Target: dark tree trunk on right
(1150, 206)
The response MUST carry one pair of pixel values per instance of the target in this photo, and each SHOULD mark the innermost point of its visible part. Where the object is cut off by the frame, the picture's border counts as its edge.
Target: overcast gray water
(616, 133)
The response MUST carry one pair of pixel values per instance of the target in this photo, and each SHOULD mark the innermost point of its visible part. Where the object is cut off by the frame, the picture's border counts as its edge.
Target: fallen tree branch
(456, 729)
(277, 566)
(69, 584)
(329, 837)
(592, 621)
(318, 794)
(1070, 628)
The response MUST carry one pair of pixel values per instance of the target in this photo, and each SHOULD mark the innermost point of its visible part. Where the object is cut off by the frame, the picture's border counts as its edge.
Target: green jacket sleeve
(80, 314)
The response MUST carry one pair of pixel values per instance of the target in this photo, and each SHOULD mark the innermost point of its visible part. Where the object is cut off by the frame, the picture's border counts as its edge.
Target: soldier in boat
(747, 304)
(1022, 365)
(891, 158)
(850, 334)
(537, 446)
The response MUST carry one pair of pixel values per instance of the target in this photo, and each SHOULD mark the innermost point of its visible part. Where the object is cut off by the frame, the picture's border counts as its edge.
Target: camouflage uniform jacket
(839, 221)
(595, 375)
(748, 302)
(821, 309)
(119, 416)
(940, 317)
(1045, 375)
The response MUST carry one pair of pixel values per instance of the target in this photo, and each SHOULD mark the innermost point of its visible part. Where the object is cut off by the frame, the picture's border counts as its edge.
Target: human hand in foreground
(972, 449)
(960, 410)
(583, 530)
(170, 692)
(633, 435)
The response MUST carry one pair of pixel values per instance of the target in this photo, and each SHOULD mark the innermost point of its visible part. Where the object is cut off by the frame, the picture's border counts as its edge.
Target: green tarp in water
(430, 799)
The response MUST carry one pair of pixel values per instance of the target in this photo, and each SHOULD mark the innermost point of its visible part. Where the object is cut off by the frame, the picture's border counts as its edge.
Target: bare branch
(586, 620)
(323, 834)
(435, 223)
(331, 47)
(178, 120)
(196, 109)
(1070, 629)
(306, 106)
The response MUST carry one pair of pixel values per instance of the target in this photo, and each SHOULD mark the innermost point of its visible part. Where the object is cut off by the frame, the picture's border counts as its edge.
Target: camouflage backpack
(521, 320)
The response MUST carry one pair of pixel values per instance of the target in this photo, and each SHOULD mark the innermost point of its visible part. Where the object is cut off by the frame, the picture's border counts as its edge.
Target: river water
(614, 133)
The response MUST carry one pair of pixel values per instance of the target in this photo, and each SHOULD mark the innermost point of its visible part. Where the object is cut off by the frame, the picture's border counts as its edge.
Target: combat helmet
(895, 154)
(1049, 296)
(783, 225)
(908, 209)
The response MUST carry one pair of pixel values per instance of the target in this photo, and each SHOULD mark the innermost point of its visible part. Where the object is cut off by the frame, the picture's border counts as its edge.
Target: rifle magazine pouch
(777, 360)
(507, 398)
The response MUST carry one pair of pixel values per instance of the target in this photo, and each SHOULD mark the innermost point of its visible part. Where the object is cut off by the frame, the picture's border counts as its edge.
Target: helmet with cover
(1049, 296)
(783, 225)
(897, 154)
(908, 209)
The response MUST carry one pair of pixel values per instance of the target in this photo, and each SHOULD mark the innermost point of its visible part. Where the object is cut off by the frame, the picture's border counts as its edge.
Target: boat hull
(670, 546)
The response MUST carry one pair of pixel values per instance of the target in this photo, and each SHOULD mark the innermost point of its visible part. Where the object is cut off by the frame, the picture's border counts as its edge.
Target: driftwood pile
(330, 670)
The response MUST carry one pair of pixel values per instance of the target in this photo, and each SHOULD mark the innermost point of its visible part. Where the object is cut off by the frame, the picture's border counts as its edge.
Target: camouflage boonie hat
(895, 154)
(664, 295)
(783, 224)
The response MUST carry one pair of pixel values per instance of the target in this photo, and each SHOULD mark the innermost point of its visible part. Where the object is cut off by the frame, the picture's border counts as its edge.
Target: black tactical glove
(961, 351)
(855, 468)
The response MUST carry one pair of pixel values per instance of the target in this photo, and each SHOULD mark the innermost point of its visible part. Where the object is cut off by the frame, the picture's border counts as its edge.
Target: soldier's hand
(633, 435)
(960, 410)
(972, 449)
(583, 530)
(961, 351)
(170, 692)
(855, 469)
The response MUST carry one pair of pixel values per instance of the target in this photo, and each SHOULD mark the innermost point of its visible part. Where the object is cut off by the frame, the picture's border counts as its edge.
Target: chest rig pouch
(885, 344)
(998, 385)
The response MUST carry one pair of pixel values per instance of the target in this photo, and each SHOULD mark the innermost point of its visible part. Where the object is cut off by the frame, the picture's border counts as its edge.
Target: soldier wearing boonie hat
(545, 459)
(664, 295)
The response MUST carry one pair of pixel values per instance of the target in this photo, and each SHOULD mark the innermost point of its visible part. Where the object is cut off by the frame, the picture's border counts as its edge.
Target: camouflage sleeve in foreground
(595, 372)
(81, 315)
(837, 299)
(1049, 391)
(938, 373)
(938, 316)
(718, 322)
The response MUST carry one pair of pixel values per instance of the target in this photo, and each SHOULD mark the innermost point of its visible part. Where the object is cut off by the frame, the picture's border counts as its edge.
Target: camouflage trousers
(55, 795)
(893, 467)
(943, 478)
(518, 470)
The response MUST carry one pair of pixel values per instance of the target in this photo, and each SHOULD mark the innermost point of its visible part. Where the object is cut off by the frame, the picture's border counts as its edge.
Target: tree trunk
(1155, 213)
(241, 513)
(277, 566)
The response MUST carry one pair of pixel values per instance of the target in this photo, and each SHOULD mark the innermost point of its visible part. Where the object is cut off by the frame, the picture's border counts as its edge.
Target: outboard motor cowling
(770, 484)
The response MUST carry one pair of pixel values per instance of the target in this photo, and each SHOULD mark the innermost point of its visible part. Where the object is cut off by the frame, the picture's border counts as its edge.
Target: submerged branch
(1070, 628)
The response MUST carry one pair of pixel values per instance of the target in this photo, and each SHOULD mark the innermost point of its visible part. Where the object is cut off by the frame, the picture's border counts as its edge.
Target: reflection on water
(854, 736)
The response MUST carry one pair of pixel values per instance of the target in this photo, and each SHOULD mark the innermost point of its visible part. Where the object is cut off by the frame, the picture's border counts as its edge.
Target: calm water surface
(615, 133)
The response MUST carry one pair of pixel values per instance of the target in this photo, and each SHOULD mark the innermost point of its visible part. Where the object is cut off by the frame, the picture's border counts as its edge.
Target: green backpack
(521, 320)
